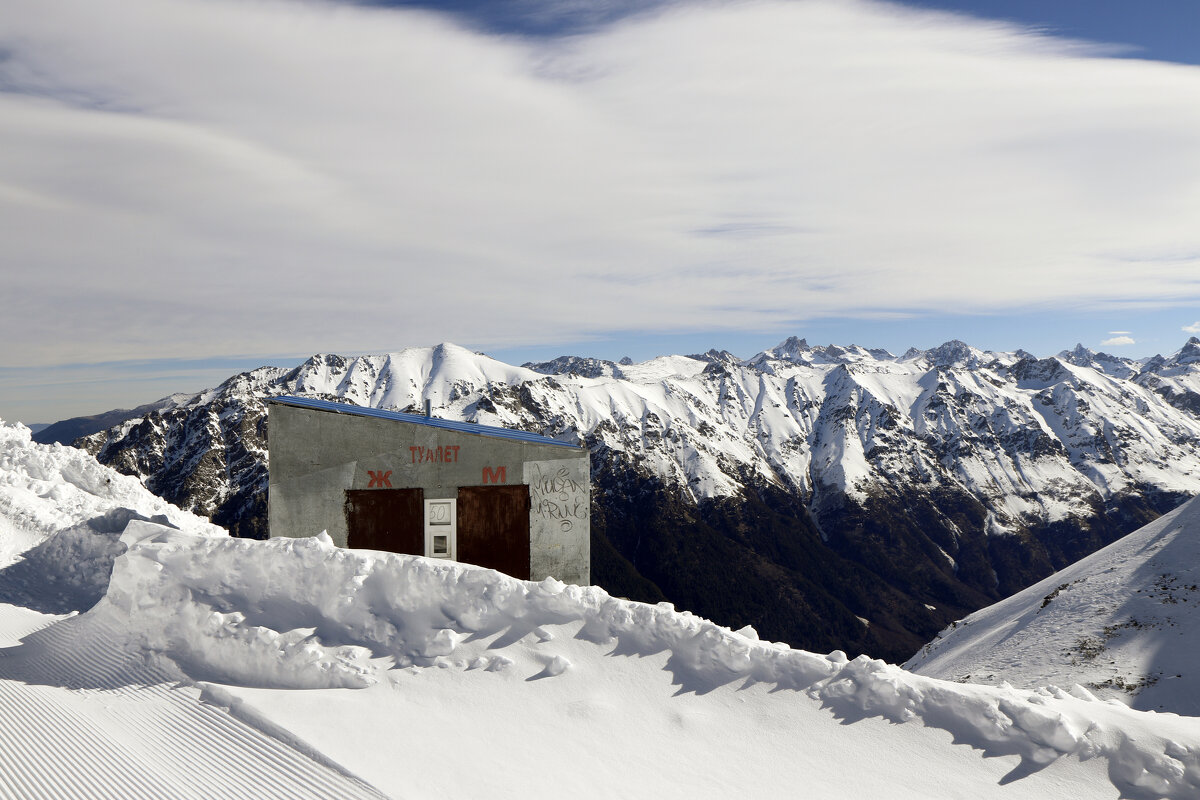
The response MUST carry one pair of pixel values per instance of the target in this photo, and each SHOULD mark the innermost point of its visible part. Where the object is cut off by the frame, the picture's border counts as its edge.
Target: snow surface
(1124, 622)
(171, 663)
(47, 488)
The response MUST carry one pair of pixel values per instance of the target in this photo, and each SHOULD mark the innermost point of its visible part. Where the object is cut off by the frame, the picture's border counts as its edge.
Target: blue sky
(1156, 29)
(189, 188)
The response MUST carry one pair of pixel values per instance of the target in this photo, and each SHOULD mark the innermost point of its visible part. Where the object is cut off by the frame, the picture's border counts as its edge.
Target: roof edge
(313, 404)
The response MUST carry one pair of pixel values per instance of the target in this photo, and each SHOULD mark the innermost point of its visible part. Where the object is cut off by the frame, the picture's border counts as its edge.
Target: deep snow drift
(218, 667)
(1125, 622)
(46, 488)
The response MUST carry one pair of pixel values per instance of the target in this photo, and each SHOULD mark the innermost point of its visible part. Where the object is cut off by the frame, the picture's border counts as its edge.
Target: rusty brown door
(386, 519)
(493, 528)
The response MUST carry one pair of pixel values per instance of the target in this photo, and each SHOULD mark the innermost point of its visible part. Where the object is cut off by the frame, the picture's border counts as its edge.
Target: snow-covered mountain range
(890, 495)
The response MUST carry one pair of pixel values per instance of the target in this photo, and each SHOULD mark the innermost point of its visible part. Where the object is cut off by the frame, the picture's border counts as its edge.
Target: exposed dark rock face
(832, 497)
(576, 365)
(209, 458)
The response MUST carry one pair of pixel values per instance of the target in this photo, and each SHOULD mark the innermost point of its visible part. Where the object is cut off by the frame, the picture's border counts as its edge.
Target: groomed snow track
(83, 718)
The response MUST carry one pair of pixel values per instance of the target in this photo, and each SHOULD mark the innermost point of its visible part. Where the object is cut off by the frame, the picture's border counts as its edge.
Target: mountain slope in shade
(68, 430)
(216, 667)
(884, 496)
(1123, 622)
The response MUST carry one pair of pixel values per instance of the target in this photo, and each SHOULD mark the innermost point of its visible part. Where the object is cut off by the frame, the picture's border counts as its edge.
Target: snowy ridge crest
(1122, 621)
(258, 613)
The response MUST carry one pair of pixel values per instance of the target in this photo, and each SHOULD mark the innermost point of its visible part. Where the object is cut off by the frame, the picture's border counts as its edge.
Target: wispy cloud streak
(183, 178)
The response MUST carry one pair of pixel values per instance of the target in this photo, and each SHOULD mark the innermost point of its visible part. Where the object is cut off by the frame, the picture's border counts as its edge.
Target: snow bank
(45, 489)
(302, 613)
(61, 516)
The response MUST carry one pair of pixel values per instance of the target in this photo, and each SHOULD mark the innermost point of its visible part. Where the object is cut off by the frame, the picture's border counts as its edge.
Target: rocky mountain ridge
(893, 494)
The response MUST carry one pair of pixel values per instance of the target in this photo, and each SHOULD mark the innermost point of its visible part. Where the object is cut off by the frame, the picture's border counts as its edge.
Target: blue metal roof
(419, 419)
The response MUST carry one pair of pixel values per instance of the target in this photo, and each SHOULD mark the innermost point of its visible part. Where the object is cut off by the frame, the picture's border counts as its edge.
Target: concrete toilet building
(383, 480)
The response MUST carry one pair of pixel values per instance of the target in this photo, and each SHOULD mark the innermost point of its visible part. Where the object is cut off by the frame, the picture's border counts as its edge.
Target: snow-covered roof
(419, 419)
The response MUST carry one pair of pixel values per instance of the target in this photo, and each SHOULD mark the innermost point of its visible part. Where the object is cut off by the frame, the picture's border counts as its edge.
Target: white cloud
(1119, 333)
(1118, 341)
(1193, 328)
(183, 178)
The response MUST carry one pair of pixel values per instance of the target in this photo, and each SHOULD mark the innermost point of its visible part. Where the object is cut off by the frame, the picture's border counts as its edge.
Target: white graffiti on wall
(557, 496)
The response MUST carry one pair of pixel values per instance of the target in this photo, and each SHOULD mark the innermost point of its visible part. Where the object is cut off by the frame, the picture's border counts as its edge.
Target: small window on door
(441, 528)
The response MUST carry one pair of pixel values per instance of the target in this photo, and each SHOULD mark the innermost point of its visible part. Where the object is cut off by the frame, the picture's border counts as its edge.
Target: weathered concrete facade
(322, 454)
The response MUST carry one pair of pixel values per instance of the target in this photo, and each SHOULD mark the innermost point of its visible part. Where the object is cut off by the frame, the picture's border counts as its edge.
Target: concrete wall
(315, 456)
(559, 517)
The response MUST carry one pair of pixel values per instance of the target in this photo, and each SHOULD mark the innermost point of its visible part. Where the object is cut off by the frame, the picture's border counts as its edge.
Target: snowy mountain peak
(1078, 355)
(956, 353)
(576, 365)
(797, 351)
(1039, 373)
(792, 348)
(1180, 363)
(1190, 353)
(717, 357)
(1109, 364)
(854, 353)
